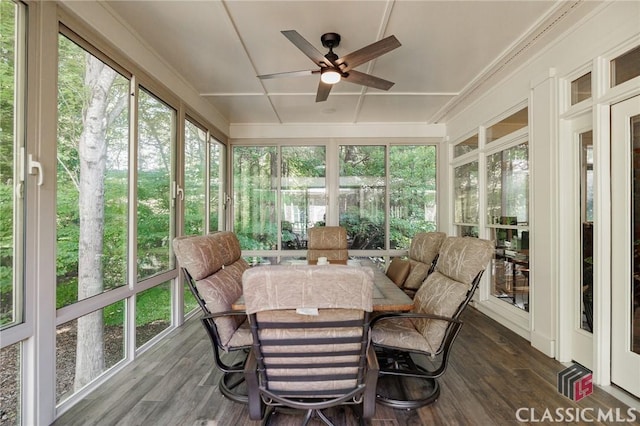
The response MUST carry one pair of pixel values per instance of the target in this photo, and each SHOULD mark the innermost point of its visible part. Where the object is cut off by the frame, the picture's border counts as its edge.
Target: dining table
(387, 296)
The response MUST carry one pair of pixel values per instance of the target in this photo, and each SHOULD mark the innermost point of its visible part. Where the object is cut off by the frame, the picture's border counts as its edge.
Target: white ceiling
(448, 49)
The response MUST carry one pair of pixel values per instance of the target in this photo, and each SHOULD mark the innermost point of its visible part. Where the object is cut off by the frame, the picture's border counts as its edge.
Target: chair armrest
(224, 314)
(396, 315)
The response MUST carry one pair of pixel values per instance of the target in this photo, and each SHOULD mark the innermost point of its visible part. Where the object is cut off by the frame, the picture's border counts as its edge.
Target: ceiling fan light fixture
(330, 76)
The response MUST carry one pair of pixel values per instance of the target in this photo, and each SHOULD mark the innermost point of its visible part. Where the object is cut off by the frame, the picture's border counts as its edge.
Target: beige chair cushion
(461, 258)
(423, 250)
(398, 270)
(325, 287)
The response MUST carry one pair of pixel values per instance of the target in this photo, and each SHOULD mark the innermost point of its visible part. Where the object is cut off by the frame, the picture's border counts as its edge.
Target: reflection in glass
(156, 135)
(635, 226)
(467, 145)
(508, 186)
(153, 312)
(625, 67)
(508, 125)
(254, 196)
(303, 190)
(83, 356)
(468, 231)
(92, 175)
(412, 192)
(581, 88)
(510, 266)
(586, 218)
(465, 184)
(362, 195)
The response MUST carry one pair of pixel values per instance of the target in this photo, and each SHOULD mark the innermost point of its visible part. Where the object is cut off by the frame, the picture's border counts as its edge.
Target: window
(625, 67)
(465, 184)
(362, 195)
(217, 194)
(195, 148)
(508, 219)
(581, 88)
(254, 194)
(304, 193)
(92, 176)
(467, 145)
(508, 125)
(586, 231)
(412, 192)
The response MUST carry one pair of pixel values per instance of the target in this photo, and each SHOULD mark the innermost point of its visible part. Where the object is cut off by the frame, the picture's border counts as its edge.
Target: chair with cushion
(413, 347)
(398, 270)
(213, 270)
(311, 347)
(329, 242)
(423, 253)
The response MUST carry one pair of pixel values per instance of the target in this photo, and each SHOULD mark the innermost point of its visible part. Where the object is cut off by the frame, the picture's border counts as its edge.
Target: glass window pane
(412, 192)
(508, 186)
(634, 286)
(465, 183)
(362, 195)
(254, 195)
(12, 43)
(508, 125)
(581, 89)
(467, 231)
(153, 312)
(465, 146)
(625, 67)
(304, 193)
(156, 132)
(217, 154)
(195, 145)
(510, 266)
(88, 346)
(10, 384)
(586, 231)
(92, 175)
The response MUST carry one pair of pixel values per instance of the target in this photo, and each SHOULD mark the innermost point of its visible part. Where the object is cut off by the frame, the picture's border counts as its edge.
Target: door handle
(35, 167)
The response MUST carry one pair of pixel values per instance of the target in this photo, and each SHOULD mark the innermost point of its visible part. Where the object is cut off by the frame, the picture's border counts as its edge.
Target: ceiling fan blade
(323, 91)
(288, 74)
(306, 47)
(358, 77)
(367, 53)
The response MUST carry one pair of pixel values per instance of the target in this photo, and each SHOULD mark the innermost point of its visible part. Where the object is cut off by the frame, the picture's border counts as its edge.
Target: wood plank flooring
(493, 375)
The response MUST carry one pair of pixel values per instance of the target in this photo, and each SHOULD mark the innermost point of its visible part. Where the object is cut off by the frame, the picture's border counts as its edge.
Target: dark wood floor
(493, 374)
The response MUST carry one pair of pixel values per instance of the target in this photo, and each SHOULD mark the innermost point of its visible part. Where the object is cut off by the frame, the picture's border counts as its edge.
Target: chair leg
(229, 387)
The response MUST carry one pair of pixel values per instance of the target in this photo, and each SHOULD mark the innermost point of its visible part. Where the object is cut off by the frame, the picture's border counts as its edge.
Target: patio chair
(329, 242)
(311, 350)
(423, 254)
(213, 270)
(413, 348)
(398, 270)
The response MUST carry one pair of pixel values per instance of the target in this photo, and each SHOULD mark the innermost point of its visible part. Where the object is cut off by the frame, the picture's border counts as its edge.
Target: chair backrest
(398, 270)
(447, 291)
(310, 329)
(213, 267)
(329, 242)
(423, 251)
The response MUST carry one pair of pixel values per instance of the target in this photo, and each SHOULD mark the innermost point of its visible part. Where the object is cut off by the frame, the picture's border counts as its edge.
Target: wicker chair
(311, 350)
(213, 270)
(413, 348)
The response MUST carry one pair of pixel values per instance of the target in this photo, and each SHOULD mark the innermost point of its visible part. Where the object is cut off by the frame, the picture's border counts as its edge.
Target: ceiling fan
(332, 68)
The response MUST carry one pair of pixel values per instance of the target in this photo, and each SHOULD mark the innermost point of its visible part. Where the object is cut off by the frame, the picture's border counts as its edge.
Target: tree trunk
(92, 149)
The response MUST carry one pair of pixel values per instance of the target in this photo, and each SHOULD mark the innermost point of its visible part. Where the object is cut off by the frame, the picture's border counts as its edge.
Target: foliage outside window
(153, 312)
(412, 192)
(362, 195)
(217, 192)
(195, 148)
(255, 188)
(12, 44)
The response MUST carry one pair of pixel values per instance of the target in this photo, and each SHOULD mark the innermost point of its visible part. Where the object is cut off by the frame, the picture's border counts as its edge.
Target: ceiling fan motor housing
(330, 40)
